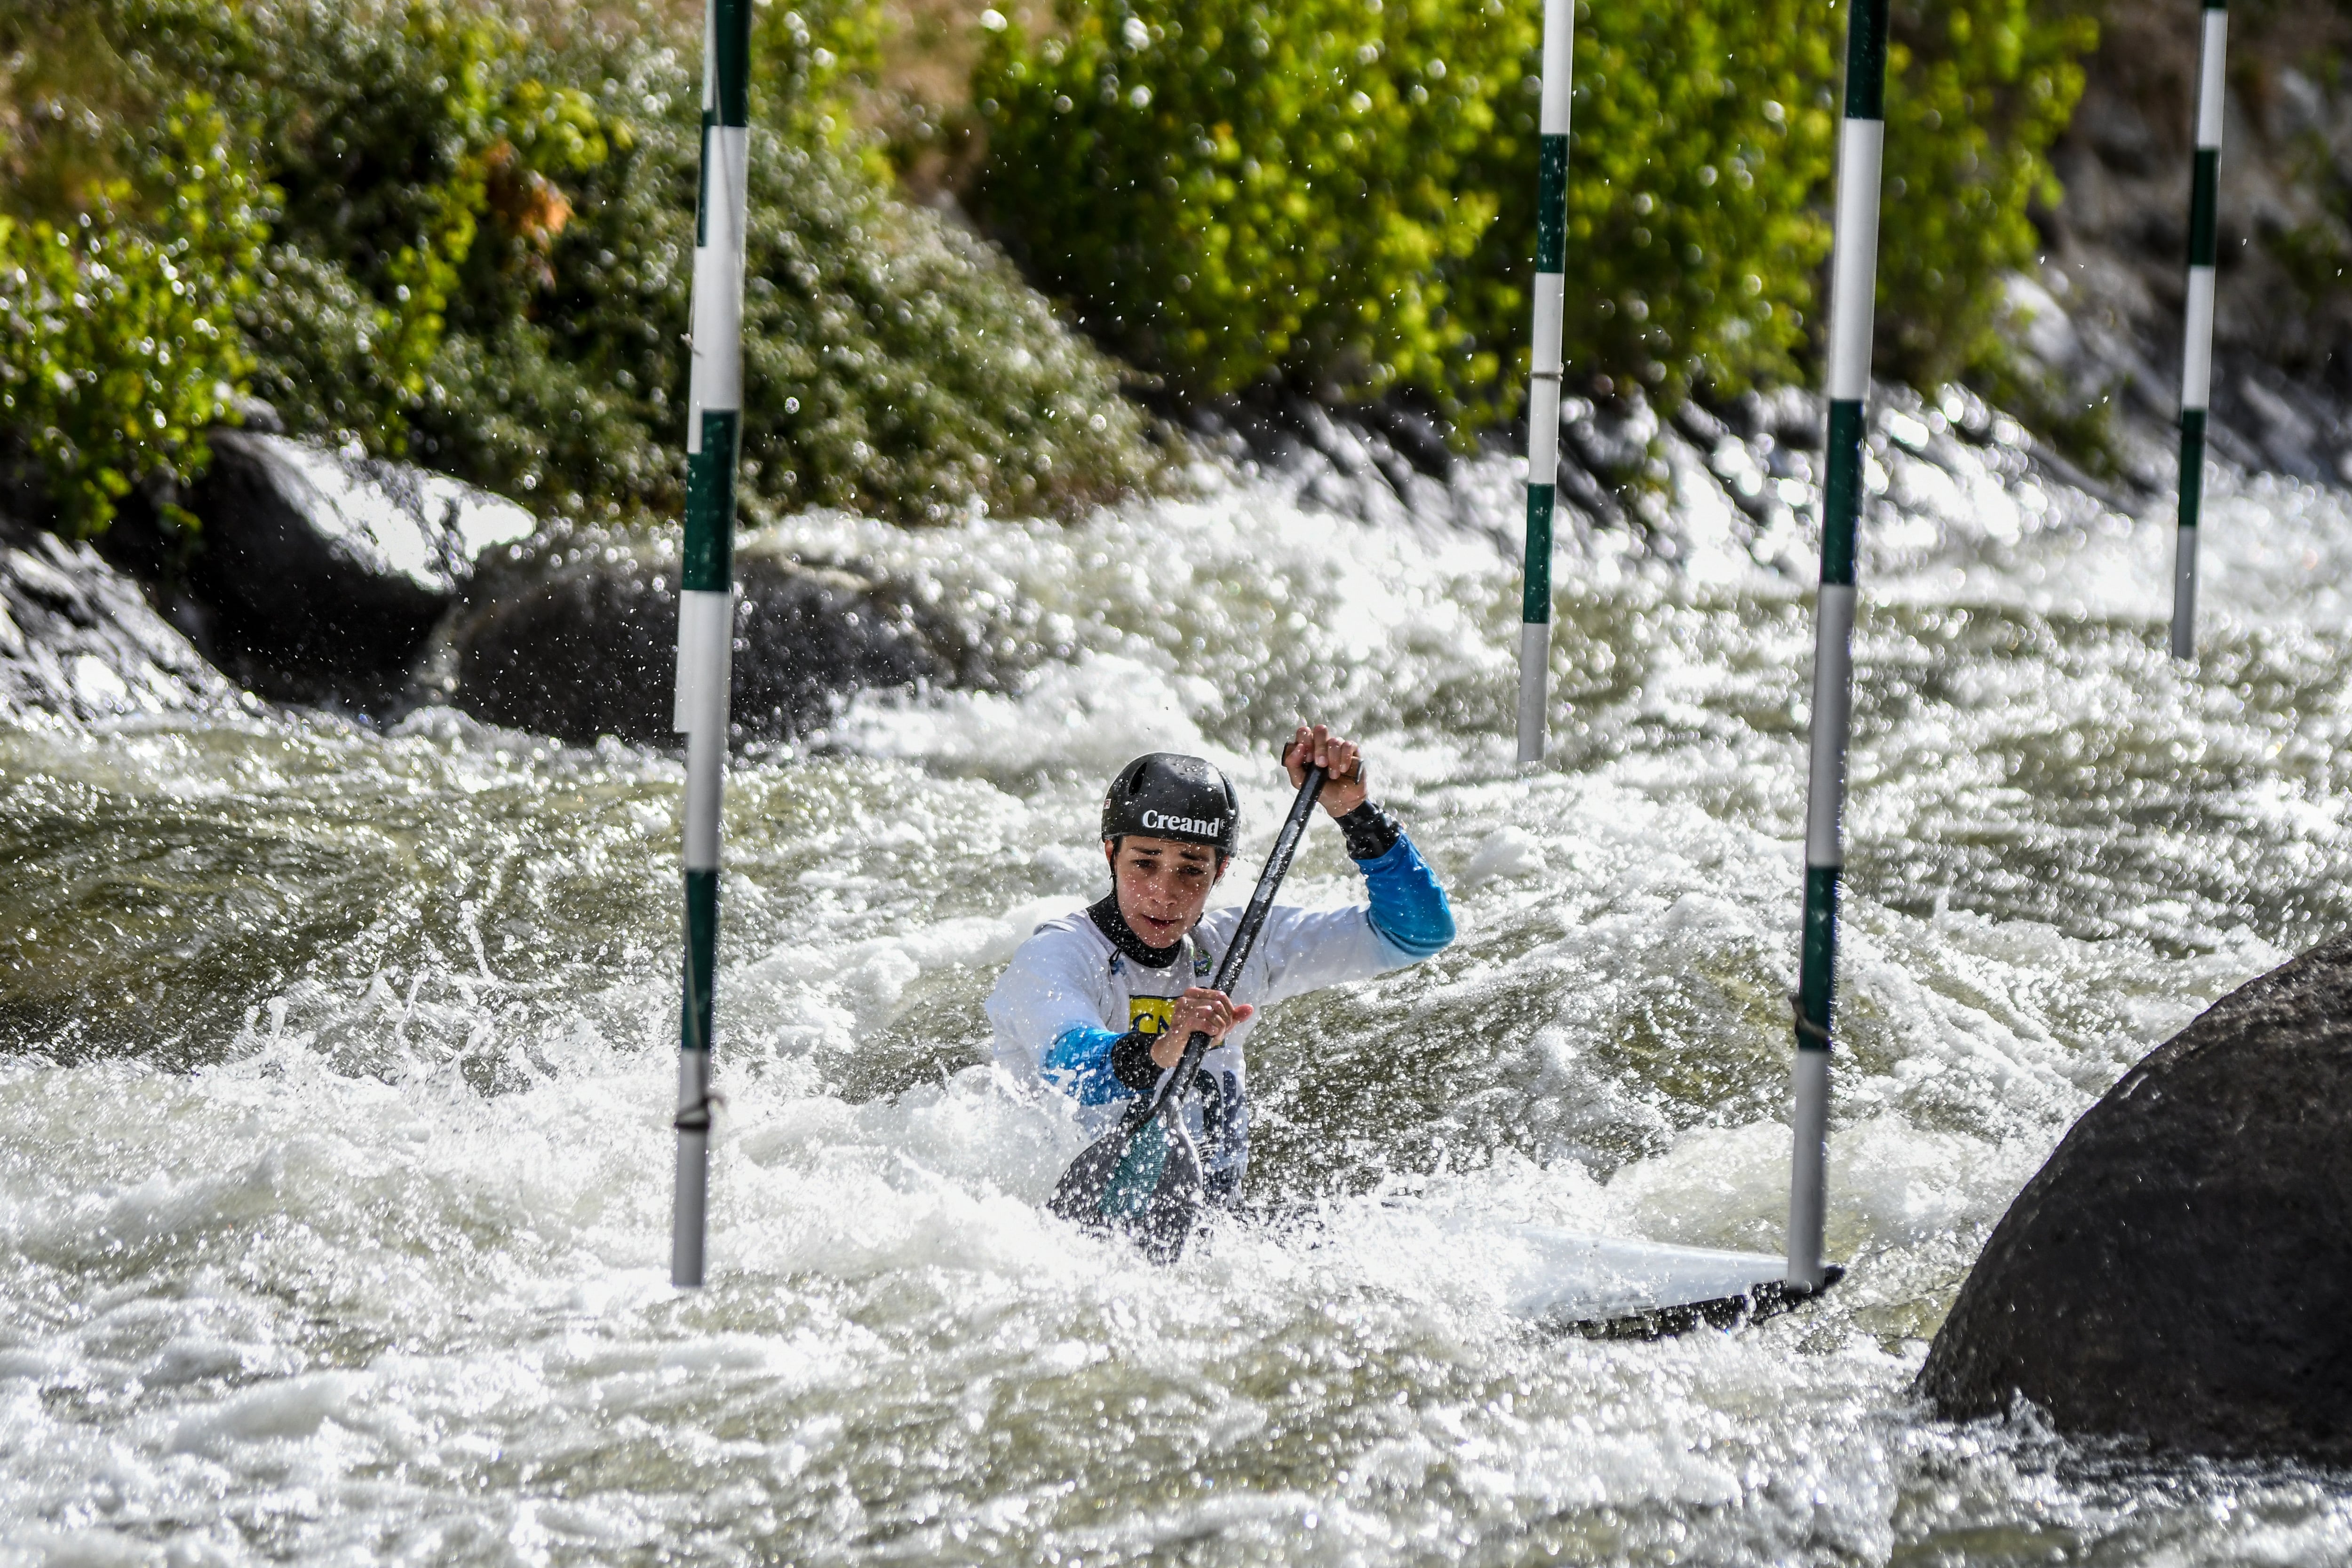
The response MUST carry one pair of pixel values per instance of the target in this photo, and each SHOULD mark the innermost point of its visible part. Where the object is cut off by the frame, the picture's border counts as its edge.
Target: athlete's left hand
(1343, 789)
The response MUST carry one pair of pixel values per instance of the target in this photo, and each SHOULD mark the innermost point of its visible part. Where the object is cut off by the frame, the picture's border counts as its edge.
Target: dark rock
(2114, 245)
(2119, 132)
(1417, 436)
(1396, 467)
(2288, 435)
(321, 575)
(255, 415)
(2181, 1272)
(1342, 445)
(1700, 425)
(1788, 417)
(1611, 439)
(589, 646)
(79, 640)
(1379, 462)
(1584, 492)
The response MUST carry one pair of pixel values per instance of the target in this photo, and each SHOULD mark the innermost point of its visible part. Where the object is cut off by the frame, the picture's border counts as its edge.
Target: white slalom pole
(1853, 287)
(1543, 390)
(706, 610)
(2197, 335)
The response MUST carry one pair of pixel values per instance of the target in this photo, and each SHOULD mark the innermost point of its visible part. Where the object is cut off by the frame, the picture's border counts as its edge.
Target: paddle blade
(1140, 1182)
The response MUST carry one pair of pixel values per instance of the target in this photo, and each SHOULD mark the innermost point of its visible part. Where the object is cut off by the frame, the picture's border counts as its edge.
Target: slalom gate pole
(706, 601)
(1543, 390)
(1854, 282)
(2197, 334)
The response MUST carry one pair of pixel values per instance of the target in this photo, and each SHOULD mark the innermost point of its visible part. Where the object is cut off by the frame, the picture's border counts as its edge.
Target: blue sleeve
(1078, 1064)
(1409, 909)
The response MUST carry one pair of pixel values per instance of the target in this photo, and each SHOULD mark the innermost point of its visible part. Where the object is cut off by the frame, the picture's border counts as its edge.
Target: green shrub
(118, 343)
(1976, 94)
(1700, 147)
(399, 134)
(1226, 189)
(1342, 193)
(483, 260)
(891, 363)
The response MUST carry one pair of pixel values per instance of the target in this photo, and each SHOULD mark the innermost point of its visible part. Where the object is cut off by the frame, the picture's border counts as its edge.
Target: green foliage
(1976, 93)
(1342, 193)
(462, 232)
(118, 339)
(483, 259)
(398, 133)
(1228, 189)
(1701, 144)
(809, 59)
(891, 363)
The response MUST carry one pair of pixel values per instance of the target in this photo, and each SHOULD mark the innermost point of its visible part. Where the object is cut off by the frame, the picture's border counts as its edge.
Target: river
(336, 1068)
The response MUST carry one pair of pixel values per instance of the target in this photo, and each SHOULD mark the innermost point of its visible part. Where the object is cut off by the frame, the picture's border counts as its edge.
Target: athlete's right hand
(1210, 1012)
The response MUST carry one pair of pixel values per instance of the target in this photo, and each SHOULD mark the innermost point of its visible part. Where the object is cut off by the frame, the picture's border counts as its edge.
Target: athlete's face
(1163, 884)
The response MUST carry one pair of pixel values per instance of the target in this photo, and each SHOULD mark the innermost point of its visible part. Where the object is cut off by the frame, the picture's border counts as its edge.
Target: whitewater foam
(335, 1192)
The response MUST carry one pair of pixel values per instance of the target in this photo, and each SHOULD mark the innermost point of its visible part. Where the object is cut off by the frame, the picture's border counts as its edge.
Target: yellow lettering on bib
(1149, 1015)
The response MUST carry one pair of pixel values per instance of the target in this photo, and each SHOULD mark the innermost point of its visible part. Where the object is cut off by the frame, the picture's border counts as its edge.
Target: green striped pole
(1854, 282)
(706, 603)
(2197, 338)
(1543, 391)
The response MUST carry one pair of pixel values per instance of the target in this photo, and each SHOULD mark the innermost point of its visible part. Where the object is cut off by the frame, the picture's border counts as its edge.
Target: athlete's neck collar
(1105, 913)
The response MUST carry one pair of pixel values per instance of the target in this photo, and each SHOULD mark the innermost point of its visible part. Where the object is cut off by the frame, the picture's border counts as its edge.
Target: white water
(334, 1144)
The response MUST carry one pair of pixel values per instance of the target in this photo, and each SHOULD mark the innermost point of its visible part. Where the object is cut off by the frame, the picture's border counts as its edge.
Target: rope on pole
(1543, 390)
(2197, 335)
(706, 609)
(1853, 287)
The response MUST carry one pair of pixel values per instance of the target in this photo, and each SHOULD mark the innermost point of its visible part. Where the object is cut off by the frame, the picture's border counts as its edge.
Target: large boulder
(78, 638)
(321, 574)
(2181, 1272)
(583, 643)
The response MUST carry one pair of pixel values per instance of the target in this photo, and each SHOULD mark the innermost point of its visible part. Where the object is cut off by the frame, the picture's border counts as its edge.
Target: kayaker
(1098, 1005)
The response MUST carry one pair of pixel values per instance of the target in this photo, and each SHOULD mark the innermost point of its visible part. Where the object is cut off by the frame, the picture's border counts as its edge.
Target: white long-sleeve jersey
(1069, 994)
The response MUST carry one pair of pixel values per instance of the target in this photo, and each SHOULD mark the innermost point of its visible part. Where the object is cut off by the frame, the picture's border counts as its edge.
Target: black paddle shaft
(1237, 952)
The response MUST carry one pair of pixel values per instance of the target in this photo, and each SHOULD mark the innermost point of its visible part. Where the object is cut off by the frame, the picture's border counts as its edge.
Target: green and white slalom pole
(1854, 282)
(706, 601)
(2197, 338)
(1543, 390)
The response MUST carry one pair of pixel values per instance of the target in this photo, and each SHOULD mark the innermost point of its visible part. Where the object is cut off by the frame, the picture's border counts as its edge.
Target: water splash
(333, 1193)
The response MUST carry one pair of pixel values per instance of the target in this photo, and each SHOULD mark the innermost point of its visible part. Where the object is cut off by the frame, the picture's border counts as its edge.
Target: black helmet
(1163, 794)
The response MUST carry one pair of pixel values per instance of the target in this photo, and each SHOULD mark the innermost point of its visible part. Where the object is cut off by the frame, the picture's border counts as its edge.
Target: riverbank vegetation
(461, 232)
(1337, 192)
